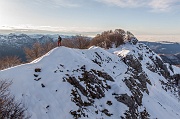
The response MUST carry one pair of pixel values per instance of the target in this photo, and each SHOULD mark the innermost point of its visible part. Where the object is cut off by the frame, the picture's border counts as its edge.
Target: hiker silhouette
(59, 41)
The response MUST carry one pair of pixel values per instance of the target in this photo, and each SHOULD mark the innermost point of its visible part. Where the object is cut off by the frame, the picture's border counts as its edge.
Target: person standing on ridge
(59, 41)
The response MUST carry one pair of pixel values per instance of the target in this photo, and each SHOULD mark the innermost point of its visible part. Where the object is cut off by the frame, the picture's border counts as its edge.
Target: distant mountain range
(163, 47)
(169, 51)
(13, 44)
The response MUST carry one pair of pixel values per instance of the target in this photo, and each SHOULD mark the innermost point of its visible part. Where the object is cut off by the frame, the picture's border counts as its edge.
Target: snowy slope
(124, 82)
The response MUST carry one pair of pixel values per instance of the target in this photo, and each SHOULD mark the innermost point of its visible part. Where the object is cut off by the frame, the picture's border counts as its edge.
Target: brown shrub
(109, 38)
(38, 50)
(9, 61)
(78, 41)
(9, 107)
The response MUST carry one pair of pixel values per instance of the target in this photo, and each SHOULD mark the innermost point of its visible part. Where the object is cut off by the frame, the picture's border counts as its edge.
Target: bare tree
(81, 42)
(98, 41)
(9, 107)
(9, 61)
(38, 50)
(107, 38)
(120, 37)
(34, 52)
(129, 35)
(78, 41)
(68, 42)
(47, 47)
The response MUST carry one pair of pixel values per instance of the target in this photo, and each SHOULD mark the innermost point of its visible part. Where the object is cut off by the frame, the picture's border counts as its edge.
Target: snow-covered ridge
(124, 82)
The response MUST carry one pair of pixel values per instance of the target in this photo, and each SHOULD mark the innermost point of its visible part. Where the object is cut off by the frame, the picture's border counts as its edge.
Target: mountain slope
(126, 82)
(169, 51)
(171, 58)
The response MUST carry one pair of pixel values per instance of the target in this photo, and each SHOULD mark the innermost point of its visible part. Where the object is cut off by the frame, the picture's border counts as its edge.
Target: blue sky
(89, 17)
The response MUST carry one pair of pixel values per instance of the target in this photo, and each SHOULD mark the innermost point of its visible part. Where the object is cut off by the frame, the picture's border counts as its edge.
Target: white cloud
(66, 3)
(50, 29)
(162, 5)
(59, 3)
(154, 5)
(123, 3)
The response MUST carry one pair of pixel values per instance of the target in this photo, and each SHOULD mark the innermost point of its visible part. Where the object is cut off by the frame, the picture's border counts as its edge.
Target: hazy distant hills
(13, 44)
(169, 51)
(164, 47)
